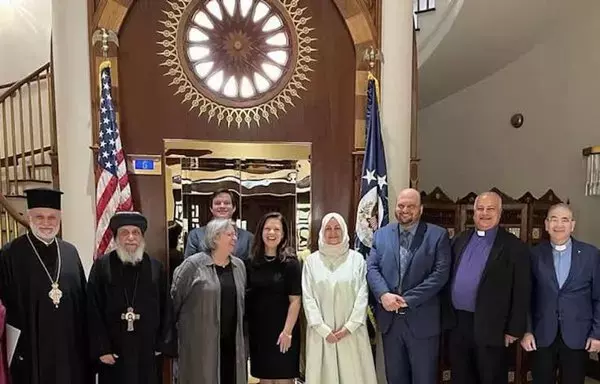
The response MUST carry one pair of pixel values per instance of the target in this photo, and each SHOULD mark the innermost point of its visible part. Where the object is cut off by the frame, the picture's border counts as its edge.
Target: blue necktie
(404, 254)
(405, 239)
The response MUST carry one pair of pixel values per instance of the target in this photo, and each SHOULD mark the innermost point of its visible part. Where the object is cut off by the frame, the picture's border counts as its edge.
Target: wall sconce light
(592, 178)
(372, 55)
(517, 120)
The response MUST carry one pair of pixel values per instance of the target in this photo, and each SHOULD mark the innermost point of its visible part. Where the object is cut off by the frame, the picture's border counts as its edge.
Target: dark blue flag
(372, 212)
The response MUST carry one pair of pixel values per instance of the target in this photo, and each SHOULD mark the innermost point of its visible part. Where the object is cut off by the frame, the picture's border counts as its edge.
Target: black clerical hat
(43, 198)
(121, 219)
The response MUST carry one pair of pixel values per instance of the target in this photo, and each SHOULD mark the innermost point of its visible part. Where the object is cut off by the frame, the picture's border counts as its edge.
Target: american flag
(113, 193)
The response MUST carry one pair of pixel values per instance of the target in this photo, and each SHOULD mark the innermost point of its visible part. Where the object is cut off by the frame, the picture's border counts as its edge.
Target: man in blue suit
(221, 206)
(565, 306)
(408, 266)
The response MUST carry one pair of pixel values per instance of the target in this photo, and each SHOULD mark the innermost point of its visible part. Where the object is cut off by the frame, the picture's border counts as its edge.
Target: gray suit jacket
(195, 243)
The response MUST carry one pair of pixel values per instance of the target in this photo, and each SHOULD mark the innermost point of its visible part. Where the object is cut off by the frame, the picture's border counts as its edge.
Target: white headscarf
(334, 255)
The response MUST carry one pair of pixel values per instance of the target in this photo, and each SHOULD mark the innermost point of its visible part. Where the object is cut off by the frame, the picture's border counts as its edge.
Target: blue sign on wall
(144, 164)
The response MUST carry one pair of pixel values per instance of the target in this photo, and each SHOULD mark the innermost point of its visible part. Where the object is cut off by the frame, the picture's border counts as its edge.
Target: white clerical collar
(45, 242)
(488, 232)
(561, 247)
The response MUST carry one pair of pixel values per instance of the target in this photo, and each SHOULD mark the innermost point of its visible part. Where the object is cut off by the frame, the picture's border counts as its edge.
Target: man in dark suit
(487, 300)
(565, 308)
(221, 206)
(407, 268)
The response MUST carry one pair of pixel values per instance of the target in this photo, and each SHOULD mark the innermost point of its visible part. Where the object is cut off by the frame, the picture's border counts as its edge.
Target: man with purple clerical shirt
(487, 299)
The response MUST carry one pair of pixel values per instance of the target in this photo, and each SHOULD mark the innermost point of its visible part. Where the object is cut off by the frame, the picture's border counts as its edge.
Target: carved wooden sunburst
(237, 60)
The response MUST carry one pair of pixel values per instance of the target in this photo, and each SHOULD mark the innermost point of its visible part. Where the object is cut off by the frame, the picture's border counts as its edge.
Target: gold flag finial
(105, 36)
(372, 55)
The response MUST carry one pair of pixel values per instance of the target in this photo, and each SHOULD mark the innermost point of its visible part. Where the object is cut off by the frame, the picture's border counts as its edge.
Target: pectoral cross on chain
(130, 316)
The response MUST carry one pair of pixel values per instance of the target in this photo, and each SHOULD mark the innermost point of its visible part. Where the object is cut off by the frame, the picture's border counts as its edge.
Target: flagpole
(104, 36)
(372, 211)
(371, 77)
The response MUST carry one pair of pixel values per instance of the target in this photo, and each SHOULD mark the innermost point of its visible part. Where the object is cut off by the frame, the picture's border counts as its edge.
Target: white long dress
(335, 294)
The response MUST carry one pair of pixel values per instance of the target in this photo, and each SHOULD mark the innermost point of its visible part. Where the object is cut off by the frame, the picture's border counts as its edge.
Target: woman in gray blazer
(208, 295)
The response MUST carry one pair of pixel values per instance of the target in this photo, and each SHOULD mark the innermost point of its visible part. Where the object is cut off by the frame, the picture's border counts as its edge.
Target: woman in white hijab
(335, 296)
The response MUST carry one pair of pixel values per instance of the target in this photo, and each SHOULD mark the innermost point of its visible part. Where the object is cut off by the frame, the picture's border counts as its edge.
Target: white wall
(24, 37)
(485, 37)
(467, 143)
(434, 25)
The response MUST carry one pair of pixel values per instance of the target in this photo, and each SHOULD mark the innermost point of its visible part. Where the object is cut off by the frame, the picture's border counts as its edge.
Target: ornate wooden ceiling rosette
(237, 60)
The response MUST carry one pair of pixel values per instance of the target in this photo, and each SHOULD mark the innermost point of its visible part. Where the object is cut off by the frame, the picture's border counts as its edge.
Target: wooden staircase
(28, 150)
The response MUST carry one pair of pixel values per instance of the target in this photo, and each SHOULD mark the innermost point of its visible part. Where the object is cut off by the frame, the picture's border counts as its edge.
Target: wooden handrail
(7, 85)
(11, 158)
(12, 211)
(23, 81)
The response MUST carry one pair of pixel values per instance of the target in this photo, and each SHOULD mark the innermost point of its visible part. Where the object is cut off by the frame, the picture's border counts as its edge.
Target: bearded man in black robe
(130, 310)
(42, 285)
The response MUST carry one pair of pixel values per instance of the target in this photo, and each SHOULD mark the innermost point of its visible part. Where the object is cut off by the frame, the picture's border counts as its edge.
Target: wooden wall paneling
(363, 21)
(514, 215)
(466, 214)
(537, 211)
(440, 210)
(529, 199)
(148, 108)
(326, 115)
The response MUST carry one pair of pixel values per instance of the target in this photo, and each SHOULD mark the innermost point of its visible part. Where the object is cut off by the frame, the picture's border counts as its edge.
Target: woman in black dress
(273, 303)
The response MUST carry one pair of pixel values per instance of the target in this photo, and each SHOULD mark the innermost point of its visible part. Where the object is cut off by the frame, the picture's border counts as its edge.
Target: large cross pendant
(130, 316)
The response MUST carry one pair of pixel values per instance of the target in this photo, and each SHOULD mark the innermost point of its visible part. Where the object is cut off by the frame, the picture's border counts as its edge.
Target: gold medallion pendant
(55, 294)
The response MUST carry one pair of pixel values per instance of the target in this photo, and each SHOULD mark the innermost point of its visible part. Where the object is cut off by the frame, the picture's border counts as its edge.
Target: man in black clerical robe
(130, 310)
(42, 285)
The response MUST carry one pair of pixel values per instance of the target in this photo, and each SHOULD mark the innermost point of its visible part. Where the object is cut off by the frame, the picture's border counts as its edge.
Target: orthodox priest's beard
(45, 237)
(131, 257)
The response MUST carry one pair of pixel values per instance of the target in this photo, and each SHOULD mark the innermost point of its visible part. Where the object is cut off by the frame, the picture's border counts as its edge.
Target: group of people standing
(489, 290)
(235, 296)
(238, 295)
(231, 277)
